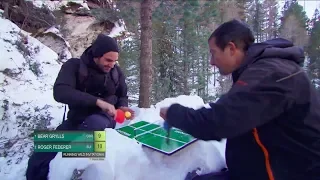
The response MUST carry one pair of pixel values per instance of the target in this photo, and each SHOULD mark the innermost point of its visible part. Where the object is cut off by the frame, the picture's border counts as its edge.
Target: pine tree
(181, 29)
(271, 18)
(314, 49)
(294, 23)
(180, 58)
(258, 20)
(146, 54)
(129, 11)
(164, 56)
(129, 63)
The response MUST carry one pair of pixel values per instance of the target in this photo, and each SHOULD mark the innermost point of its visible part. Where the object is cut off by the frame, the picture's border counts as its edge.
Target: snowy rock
(83, 30)
(27, 73)
(129, 160)
(79, 27)
(57, 4)
(53, 39)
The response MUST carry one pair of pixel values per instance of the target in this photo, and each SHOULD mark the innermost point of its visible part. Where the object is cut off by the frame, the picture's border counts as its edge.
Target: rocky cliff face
(78, 25)
(81, 33)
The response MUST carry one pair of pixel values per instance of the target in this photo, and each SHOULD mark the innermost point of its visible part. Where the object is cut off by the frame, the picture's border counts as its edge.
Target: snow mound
(118, 29)
(27, 73)
(194, 102)
(56, 5)
(127, 159)
(152, 114)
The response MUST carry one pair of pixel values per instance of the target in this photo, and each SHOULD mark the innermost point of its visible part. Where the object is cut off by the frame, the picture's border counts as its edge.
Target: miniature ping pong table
(154, 136)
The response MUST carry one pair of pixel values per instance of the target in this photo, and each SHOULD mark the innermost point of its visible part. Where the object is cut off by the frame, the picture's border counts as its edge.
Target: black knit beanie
(103, 44)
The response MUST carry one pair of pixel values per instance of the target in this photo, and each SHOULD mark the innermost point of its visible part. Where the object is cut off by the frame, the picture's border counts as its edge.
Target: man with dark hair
(93, 87)
(270, 116)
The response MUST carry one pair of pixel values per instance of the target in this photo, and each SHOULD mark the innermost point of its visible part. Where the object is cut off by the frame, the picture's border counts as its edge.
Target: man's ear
(233, 48)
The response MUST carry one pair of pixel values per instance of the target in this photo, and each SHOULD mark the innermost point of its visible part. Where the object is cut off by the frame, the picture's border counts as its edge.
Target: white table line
(155, 134)
(144, 125)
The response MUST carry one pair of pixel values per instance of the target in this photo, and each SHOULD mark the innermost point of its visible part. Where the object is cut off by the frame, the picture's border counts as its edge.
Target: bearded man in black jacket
(93, 87)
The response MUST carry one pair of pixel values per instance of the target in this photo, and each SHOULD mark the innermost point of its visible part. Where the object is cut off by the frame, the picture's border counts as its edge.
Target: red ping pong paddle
(120, 116)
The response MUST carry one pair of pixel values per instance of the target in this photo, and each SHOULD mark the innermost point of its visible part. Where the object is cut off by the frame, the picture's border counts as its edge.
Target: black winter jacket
(270, 117)
(81, 96)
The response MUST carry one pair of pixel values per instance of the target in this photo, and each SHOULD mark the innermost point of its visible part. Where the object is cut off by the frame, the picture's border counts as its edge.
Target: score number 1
(99, 141)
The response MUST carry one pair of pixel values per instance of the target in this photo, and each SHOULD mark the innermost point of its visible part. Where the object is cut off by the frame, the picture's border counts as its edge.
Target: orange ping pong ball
(127, 114)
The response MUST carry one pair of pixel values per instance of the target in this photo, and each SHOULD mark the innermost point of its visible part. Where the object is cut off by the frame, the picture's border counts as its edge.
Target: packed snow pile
(27, 73)
(127, 159)
(57, 4)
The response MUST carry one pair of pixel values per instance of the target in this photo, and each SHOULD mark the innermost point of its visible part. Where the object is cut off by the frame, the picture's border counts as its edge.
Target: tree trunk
(6, 10)
(145, 54)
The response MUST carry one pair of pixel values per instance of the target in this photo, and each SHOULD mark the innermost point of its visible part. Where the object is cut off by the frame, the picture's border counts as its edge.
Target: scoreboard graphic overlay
(87, 144)
(155, 137)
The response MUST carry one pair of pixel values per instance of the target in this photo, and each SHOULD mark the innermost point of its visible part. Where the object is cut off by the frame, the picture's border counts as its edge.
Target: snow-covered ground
(126, 159)
(27, 73)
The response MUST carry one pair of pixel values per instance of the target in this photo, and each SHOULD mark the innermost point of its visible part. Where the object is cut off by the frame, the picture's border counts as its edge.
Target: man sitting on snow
(270, 116)
(93, 87)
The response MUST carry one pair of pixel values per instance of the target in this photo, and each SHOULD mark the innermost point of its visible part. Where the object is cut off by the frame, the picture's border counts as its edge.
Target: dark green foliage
(180, 48)
(313, 49)
(180, 32)
(292, 7)
(129, 62)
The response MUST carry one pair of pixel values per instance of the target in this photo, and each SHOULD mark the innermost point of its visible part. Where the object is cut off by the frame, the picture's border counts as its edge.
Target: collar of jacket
(251, 56)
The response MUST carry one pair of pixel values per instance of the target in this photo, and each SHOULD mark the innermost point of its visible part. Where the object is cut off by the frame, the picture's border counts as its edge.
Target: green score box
(96, 147)
(63, 147)
(63, 136)
(69, 136)
(99, 136)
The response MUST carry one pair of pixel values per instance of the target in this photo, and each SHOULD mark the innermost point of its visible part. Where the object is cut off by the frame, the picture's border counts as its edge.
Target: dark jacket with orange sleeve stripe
(270, 117)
